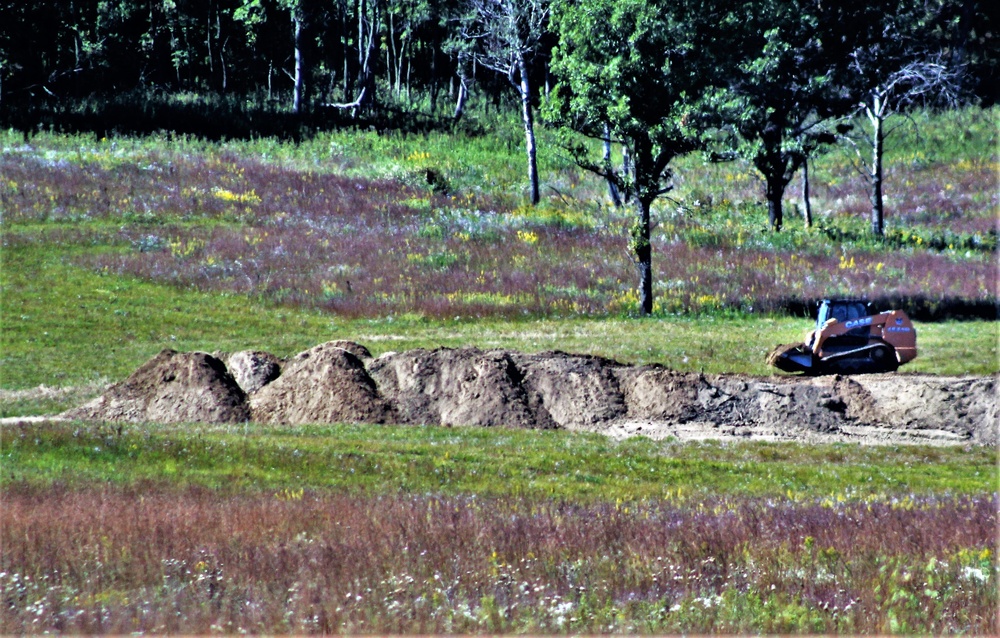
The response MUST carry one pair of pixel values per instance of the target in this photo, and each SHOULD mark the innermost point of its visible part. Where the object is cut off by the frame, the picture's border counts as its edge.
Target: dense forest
(374, 58)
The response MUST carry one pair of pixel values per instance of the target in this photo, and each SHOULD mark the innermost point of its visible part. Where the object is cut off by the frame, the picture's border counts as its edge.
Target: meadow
(365, 529)
(114, 248)
(438, 234)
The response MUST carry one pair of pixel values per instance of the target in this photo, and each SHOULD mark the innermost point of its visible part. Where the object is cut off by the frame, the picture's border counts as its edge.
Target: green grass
(487, 462)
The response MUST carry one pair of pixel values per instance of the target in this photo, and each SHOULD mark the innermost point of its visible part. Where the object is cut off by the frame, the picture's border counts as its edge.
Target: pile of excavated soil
(252, 369)
(459, 387)
(325, 384)
(339, 381)
(961, 407)
(579, 392)
(172, 387)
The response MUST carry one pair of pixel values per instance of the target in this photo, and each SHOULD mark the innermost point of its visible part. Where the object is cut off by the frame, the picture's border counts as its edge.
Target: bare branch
(928, 80)
(348, 105)
(505, 31)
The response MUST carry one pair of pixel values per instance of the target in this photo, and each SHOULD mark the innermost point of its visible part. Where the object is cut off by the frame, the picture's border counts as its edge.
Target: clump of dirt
(252, 369)
(325, 384)
(172, 387)
(458, 387)
(859, 402)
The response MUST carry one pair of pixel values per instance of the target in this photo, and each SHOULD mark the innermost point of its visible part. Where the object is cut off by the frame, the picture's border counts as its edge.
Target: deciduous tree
(252, 13)
(638, 72)
(787, 83)
(893, 70)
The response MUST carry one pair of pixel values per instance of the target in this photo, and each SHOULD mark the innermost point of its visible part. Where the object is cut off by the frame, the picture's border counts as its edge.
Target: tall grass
(152, 560)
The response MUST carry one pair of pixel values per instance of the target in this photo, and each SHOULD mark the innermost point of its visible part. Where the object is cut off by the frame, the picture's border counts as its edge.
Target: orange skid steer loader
(848, 340)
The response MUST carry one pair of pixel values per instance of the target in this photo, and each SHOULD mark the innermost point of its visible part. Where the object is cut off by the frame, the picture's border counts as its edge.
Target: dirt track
(341, 382)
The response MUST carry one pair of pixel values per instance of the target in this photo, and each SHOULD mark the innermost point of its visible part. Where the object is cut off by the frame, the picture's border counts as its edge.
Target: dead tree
(925, 81)
(507, 33)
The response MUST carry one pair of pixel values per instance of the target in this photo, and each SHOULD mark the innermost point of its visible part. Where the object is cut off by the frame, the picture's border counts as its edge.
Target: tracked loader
(849, 340)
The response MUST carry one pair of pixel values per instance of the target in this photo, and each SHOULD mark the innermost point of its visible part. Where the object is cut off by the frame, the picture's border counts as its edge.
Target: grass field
(490, 463)
(350, 225)
(356, 529)
(115, 249)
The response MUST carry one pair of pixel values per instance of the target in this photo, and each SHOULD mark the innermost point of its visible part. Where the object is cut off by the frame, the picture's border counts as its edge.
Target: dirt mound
(966, 406)
(579, 392)
(325, 384)
(172, 387)
(339, 381)
(252, 369)
(464, 386)
(660, 394)
(785, 407)
(731, 404)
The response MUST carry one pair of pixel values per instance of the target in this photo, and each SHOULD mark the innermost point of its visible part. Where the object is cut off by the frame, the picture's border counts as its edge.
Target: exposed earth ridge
(340, 381)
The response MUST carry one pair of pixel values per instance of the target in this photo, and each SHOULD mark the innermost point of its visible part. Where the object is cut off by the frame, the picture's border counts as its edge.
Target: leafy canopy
(641, 69)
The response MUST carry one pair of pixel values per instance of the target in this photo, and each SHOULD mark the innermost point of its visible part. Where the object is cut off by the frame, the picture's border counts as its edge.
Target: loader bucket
(795, 357)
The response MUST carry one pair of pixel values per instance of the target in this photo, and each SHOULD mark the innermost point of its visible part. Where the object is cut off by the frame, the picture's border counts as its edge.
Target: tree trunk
(222, 63)
(366, 50)
(345, 40)
(435, 80)
(529, 129)
(208, 44)
(644, 192)
(298, 94)
(222, 50)
(775, 193)
(806, 206)
(644, 256)
(616, 198)
(362, 53)
(878, 215)
(460, 102)
(392, 57)
(408, 62)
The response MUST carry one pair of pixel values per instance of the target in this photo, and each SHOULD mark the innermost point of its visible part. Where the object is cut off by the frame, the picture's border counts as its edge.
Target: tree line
(402, 52)
(769, 81)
